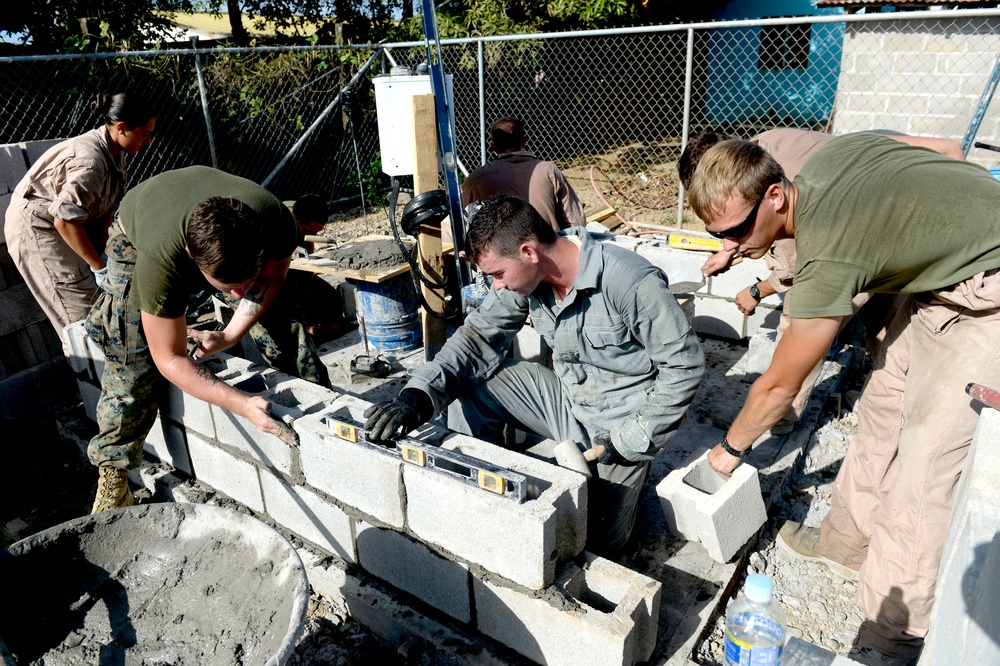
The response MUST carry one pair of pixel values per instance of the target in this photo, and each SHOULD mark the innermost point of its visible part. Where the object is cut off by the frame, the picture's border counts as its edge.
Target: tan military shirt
(76, 180)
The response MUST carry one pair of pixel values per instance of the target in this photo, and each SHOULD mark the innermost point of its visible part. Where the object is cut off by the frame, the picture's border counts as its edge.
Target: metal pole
(688, 77)
(204, 101)
(482, 107)
(330, 107)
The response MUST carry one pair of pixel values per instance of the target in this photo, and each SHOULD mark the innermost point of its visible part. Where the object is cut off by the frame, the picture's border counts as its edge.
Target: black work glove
(386, 421)
(610, 455)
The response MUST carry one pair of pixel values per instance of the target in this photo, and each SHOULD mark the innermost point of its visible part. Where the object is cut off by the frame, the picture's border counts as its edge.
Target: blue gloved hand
(389, 420)
(610, 456)
(99, 275)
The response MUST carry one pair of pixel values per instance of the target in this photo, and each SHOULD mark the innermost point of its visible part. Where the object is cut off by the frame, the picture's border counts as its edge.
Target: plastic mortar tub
(153, 584)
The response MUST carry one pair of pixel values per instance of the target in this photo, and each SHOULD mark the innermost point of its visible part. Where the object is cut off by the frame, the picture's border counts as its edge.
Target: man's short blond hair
(731, 167)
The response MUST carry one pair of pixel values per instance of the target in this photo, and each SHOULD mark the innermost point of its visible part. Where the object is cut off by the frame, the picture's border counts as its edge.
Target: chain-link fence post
(686, 123)
(204, 101)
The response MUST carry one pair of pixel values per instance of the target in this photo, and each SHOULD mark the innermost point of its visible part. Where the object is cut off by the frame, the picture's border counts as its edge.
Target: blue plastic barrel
(996, 172)
(390, 312)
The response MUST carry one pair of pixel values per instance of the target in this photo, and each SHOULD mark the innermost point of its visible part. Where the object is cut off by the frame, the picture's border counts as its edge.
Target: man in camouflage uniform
(175, 232)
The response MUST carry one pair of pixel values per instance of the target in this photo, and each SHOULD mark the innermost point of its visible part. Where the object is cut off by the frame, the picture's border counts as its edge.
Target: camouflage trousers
(283, 340)
(130, 384)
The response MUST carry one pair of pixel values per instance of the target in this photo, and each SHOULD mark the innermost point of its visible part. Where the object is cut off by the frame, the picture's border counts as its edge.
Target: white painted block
(167, 442)
(308, 514)
(225, 472)
(700, 505)
(358, 476)
(600, 614)
(679, 265)
(414, 568)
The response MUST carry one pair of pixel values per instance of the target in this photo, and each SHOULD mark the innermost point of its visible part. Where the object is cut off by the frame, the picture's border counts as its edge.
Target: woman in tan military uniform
(58, 217)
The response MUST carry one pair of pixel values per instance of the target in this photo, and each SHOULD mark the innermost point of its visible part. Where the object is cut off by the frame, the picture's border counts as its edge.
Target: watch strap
(755, 292)
(731, 451)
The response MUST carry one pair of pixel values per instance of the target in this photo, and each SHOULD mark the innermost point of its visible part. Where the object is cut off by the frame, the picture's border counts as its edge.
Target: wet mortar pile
(366, 255)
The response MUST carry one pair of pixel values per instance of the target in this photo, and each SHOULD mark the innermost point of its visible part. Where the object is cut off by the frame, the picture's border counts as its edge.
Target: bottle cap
(758, 588)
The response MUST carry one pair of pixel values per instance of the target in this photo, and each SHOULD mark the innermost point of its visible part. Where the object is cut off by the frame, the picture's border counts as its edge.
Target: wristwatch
(731, 451)
(755, 292)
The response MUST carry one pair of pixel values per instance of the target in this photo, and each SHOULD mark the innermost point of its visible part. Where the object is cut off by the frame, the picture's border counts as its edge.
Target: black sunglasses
(744, 227)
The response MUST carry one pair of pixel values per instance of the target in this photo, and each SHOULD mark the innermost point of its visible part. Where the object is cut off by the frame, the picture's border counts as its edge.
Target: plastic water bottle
(755, 626)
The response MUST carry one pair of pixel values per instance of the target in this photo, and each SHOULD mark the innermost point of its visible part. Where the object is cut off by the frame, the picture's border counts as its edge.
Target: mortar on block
(701, 505)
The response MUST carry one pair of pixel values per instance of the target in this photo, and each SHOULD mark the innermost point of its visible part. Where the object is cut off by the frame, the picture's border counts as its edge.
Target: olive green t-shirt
(154, 217)
(874, 214)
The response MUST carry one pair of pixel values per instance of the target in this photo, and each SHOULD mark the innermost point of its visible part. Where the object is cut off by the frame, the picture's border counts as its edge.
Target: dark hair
(507, 134)
(697, 146)
(502, 224)
(226, 239)
(122, 107)
(310, 208)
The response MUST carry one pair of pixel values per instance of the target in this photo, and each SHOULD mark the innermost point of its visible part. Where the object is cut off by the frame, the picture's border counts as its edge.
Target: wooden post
(425, 178)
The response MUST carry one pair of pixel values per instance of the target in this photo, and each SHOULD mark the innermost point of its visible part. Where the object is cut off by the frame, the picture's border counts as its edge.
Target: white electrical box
(395, 121)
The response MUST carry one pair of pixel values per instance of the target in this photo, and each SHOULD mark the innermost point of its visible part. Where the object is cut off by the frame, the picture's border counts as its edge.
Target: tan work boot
(799, 542)
(112, 490)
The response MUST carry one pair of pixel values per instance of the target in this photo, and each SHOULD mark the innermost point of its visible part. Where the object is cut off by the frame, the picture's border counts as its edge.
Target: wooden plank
(429, 249)
(602, 214)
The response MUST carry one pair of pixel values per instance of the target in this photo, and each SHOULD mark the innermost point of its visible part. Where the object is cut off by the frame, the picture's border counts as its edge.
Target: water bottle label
(739, 653)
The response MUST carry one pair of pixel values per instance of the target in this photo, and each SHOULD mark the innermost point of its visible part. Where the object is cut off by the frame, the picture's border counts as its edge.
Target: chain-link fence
(612, 108)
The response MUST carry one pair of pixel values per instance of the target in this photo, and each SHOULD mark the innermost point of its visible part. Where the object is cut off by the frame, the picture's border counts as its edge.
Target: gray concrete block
(516, 541)
(20, 309)
(530, 346)
(718, 317)
(738, 278)
(412, 567)
(38, 389)
(90, 394)
(700, 505)
(763, 317)
(167, 442)
(224, 472)
(309, 515)
(565, 489)
(162, 482)
(600, 614)
(35, 149)
(629, 242)
(96, 355)
(965, 622)
(679, 265)
(79, 352)
(395, 621)
(366, 479)
(289, 397)
(196, 414)
(4, 204)
(12, 167)
(760, 351)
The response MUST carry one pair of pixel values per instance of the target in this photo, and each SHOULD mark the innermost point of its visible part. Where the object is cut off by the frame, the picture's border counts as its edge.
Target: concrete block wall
(966, 616)
(921, 78)
(398, 522)
(33, 374)
(715, 311)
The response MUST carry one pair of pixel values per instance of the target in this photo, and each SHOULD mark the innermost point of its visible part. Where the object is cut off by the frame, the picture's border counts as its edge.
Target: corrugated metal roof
(216, 26)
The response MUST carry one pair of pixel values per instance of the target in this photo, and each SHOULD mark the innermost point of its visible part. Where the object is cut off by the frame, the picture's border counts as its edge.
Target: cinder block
(96, 355)
(600, 614)
(289, 397)
(224, 472)
(760, 351)
(966, 617)
(414, 568)
(629, 242)
(679, 265)
(763, 317)
(700, 505)
(517, 541)
(35, 149)
(12, 167)
(563, 488)
(309, 515)
(167, 442)
(161, 481)
(718, 317)
(20, 309)
(79, 359)
(356, 475)
(90, 394)
(738, 278)
(38, 389)
(530, 346)
(196, 414)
